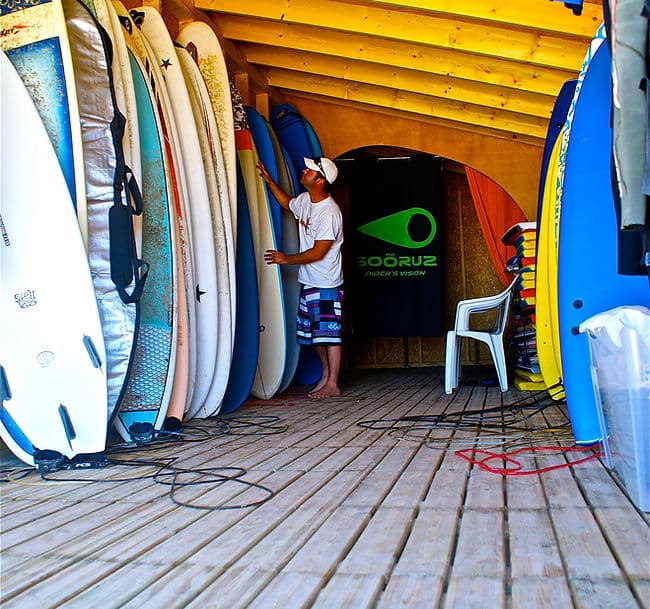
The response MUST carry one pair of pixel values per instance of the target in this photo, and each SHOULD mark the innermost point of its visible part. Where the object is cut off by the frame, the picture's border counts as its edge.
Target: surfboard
(588, 282)
(314, 142)
(292, 133)
(293, 176)
(290, 245)
(217, 145)
(52, 350)
(272, 343)
(206, 127)
(266, 153)
(149, 391)
(202, 43)
(309, 369)
(244, 359)
(546, 316)
(139, 48)
(555, 126)
(35, 38)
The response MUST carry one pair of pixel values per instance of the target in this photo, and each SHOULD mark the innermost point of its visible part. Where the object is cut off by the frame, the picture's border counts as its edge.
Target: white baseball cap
(323, 166)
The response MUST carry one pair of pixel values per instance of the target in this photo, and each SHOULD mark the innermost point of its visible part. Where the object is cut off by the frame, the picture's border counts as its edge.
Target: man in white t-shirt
(320, 228)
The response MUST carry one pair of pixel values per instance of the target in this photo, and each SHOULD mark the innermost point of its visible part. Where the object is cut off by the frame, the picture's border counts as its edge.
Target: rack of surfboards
(134, 221)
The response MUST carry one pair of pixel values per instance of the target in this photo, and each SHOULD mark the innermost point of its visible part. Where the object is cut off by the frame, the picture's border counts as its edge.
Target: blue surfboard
(264, 148)
(295, 183)
(588, 282)
(309, 368)
(314, 142)
(292, 133)
(244, 358)
(555, 124)
(290, 245)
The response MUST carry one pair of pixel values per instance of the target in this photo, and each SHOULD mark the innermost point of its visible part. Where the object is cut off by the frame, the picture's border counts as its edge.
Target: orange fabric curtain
(497, 212)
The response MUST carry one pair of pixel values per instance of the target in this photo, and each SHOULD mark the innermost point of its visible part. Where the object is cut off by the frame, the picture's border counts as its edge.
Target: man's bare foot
(318, 387)
(325, 392)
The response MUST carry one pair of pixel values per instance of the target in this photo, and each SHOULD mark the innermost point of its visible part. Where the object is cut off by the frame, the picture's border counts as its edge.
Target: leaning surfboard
(264, 148)
(272, 345)
(546, 326)
(208, 136)
(546, 319)
(314, 142)
(150, 384)
(205, 288)
(244, 358)
(290, 245)
(51, 349)
(292, 133)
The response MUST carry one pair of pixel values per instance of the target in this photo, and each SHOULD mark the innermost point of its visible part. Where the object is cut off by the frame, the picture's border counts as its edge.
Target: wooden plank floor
(360, 502)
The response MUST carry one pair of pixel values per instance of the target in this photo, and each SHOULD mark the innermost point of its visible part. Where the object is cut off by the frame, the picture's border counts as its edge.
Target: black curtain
(396, 216)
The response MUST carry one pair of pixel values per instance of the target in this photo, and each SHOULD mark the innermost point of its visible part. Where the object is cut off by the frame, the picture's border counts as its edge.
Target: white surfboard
(207, 131)
(214, 125)
(202, 43)
(51, 345)
(289, 272)
(138, 45)
(205, 270)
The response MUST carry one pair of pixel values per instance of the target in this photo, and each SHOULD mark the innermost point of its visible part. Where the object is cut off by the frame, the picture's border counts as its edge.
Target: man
(320, 228)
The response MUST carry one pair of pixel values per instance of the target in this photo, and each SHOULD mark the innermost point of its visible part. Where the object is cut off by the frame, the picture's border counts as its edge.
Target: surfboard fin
(70, 431)
(92, 351)
(5, 390)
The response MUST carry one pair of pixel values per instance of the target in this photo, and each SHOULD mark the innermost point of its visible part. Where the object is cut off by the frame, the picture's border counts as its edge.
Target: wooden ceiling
(488, 66)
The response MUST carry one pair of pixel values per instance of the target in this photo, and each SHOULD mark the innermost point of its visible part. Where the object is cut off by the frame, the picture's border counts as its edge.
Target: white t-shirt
(319, 221)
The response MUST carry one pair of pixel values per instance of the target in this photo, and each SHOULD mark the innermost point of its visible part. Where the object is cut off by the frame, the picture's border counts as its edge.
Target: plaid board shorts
(319, 316)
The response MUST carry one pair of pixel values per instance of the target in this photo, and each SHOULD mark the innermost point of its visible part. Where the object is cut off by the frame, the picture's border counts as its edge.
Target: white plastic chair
(492, 337)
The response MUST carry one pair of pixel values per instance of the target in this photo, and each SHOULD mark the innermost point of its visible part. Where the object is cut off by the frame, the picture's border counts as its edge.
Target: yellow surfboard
(547, 328)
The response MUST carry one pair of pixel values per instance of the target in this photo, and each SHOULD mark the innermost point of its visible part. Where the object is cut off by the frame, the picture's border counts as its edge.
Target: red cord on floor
(516, 470)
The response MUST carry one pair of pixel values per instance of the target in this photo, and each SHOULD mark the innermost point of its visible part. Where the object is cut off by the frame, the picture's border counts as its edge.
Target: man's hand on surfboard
(263, 172)
(275, 257)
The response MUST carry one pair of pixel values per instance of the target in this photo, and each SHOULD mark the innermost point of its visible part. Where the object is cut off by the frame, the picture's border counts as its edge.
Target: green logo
(394, 229)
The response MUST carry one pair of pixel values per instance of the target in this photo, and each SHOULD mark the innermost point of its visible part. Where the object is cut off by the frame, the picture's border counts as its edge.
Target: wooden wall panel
(511, 163)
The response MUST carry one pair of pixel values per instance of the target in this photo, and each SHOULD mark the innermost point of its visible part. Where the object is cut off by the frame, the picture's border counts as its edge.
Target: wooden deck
(380, 515)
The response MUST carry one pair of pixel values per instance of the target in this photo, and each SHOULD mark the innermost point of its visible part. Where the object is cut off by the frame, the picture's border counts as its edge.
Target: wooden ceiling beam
(490, 39)
(435, 85)
(542, 15)
(413, 103)
(536, 79)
